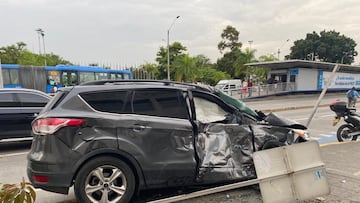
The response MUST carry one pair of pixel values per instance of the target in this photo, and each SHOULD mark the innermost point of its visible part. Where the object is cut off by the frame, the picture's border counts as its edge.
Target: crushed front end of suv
(111, 139)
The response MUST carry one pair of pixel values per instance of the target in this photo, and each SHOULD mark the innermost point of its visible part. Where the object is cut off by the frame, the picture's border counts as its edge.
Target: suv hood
(276, 120)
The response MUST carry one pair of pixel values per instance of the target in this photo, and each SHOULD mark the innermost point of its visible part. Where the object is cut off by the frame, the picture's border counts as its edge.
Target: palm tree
(185, 68)
(245, 57)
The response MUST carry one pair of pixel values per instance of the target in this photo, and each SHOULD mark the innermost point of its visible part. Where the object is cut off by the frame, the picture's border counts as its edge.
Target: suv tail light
(47, 126)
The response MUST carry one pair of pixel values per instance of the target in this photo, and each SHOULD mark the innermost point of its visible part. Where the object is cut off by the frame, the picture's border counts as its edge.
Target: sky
(130, 32)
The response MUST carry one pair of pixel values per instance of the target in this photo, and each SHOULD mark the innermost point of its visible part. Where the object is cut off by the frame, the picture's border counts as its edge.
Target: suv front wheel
(105, 179)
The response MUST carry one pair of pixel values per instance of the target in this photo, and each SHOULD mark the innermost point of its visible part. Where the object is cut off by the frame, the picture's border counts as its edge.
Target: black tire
(272, 144)
(120, 189)
(343, 131)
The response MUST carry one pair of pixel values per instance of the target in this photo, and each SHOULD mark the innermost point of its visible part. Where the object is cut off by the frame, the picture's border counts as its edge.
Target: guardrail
(261, 90)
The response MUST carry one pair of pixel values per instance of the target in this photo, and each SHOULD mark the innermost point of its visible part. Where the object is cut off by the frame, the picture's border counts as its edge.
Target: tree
(211, 76)
(233, 60)
(230, 37)
(152, 70)
(329, 46)
(205, 71)
(227, 62)
(185, 68)
(264, 58)
(202, 61)
(18, 54)
(176, 49)
(11, 54)
(261, 73)
(53, 60)
(242, 71)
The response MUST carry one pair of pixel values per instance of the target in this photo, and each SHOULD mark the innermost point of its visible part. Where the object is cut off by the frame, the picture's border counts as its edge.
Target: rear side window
(32, 100)
(162, 103)
(112, 101)
(55, 101)
(8, 100)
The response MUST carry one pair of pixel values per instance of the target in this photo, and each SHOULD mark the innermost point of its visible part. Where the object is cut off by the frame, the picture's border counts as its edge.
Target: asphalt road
(320, 127)
(13, 157)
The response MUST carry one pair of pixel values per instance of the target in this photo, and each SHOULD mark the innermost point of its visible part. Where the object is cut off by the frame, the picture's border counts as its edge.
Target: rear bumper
(52, 161)
(58, 182)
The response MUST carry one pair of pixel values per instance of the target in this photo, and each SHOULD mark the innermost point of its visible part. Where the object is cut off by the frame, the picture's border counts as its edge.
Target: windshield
(220, 86)
(237, 103)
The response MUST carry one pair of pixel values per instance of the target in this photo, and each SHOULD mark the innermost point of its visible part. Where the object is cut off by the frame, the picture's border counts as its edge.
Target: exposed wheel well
(272, 144)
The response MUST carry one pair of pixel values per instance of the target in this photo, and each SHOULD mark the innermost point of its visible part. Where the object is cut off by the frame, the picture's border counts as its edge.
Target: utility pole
(168, 48)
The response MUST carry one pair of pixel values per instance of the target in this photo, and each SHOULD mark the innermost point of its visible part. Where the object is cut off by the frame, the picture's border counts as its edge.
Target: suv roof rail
(163, 82)
(119, 81)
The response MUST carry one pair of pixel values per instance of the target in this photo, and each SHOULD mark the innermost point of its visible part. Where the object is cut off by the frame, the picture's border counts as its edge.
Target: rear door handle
(139, 128)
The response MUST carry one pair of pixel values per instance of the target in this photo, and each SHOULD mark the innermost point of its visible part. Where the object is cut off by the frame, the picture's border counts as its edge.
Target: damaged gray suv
(112, 139)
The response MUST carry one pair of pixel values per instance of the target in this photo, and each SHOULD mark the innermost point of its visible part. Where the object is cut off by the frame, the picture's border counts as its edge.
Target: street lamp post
(43, 38)
(42, 34)
(38, 32)
(250, 43)
(168, 48)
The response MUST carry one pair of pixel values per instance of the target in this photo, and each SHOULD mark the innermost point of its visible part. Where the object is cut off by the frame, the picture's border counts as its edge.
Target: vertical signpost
(328, 83)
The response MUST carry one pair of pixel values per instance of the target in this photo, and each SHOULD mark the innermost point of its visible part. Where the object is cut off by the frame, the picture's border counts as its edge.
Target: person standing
(250, 85)
(54, 89)
(244, 87)
(352, 96)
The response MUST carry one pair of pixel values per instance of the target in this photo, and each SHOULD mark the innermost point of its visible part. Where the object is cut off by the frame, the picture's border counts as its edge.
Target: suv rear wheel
(105, 179)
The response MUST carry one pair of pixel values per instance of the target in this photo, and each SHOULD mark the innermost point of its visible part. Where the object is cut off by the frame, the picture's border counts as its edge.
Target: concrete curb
(336, 143)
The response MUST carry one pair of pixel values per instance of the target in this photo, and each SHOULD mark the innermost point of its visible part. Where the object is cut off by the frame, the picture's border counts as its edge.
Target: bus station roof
(295, 63)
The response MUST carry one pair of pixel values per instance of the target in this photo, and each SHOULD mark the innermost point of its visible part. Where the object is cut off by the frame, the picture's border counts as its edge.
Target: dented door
(223, 146)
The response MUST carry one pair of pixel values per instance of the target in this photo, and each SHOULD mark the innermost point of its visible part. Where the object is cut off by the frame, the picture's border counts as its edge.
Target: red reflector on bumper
(41, 179)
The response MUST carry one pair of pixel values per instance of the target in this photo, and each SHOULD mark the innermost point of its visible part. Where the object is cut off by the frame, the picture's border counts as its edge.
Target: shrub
(17, 193)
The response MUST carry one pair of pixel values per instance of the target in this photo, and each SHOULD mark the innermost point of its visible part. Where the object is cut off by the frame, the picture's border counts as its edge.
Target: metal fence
(262, 90)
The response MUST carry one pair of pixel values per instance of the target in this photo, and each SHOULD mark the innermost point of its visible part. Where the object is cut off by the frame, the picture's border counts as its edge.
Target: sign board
(293, 72)
(341, 80)
(291, 173)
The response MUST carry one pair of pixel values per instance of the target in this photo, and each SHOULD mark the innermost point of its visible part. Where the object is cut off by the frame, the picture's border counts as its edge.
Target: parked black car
(111, 139)
(18, 108)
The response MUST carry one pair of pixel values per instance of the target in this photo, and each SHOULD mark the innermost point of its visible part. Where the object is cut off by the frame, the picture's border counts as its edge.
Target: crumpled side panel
(277, 120)
(264, 133)
(224, 152)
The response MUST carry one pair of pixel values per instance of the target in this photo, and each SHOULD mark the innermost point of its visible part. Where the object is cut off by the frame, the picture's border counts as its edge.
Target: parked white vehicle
(229, 85)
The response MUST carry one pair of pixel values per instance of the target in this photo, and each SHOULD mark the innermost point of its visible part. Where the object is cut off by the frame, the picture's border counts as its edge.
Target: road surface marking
(13, 154)
(326, 135)
(16, 139)
(322, 116)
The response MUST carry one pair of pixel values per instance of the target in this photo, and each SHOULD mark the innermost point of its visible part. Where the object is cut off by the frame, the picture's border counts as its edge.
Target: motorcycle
(351, 129)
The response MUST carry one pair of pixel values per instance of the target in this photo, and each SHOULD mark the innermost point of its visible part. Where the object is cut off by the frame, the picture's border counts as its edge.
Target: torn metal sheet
(265, 133)
(277, 120)
(224, 152)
